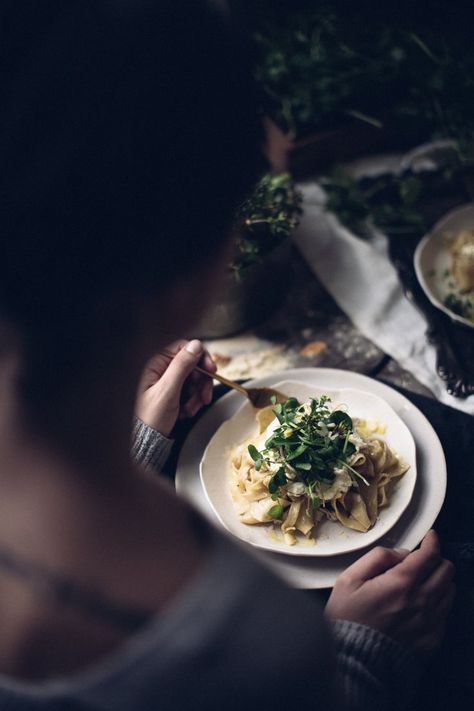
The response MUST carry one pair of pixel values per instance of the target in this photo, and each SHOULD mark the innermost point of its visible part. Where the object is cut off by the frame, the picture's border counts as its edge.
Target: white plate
(331, 537)
(433, 259)
(320, 572)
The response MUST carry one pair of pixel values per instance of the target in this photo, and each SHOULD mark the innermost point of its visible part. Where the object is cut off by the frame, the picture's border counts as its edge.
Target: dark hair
(128, 134)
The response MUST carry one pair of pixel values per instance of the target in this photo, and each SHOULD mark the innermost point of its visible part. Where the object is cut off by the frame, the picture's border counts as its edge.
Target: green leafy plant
(318, 68)
(461, 307)
(389, 202)
(266, 218)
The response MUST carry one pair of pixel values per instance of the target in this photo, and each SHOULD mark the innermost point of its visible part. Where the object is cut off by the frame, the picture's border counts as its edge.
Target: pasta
(308, 463)
(462, 253)
(460, 298)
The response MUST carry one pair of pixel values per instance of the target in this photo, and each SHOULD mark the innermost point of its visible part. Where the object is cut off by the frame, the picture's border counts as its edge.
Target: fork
(258, 397)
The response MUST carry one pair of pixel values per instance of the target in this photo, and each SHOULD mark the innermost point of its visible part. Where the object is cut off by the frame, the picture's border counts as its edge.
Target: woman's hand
(405, 595)
(170, 389)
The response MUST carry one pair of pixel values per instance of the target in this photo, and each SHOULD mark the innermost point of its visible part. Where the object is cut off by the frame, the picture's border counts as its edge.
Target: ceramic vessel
(251, 296)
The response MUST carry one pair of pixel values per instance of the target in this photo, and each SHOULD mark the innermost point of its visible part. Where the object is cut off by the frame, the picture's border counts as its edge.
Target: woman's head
(128, 134)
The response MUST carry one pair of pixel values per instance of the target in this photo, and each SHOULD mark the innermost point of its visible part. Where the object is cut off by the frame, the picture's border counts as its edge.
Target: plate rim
(319, 575)
(307, 551)
(418, 255)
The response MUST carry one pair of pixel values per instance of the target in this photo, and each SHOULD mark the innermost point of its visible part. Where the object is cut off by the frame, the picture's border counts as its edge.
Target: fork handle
(215, 376)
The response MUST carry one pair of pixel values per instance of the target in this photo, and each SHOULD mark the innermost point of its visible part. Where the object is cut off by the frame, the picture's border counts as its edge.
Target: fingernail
(194, 347)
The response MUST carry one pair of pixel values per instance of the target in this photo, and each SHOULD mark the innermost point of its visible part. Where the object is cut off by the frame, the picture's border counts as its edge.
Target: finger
(207, 392)
(420, 564)
(373, 563)
(439, 613)
(157, 365)
(446, 603)
(204, 387)
(192, 406)
(196, 384)
(208, 363)
(183, 363)
(431, 540)
(440, 580)
(175, 346)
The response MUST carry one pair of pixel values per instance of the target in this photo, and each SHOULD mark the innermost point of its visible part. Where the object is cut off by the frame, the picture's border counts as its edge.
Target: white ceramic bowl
(331, 537)
(432, 259)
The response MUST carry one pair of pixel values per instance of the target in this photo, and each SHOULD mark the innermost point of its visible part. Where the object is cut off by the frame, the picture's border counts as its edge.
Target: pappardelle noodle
(309, 462)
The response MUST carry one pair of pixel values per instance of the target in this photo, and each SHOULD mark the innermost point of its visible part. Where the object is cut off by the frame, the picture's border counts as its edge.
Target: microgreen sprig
(310, 441)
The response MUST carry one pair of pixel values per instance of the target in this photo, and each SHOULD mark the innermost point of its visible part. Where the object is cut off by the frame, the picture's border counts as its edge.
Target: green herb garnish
(277, 480)
(276, 511)
(461, 307)
(310, 442)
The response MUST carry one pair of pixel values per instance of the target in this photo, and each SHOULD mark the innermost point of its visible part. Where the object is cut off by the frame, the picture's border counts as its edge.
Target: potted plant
(258, 277)
(335, 88)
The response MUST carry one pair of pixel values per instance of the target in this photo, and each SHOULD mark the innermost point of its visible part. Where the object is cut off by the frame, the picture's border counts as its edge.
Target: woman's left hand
(170, 388)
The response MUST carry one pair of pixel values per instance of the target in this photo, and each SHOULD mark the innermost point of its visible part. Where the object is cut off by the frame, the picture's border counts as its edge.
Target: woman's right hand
(407, 596)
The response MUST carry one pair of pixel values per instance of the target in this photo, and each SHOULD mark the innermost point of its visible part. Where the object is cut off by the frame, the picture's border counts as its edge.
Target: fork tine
(262, 397)
(259, 397)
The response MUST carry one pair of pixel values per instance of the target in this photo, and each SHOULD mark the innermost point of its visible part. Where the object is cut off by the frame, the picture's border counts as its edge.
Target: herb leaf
(276, 511)
(342, 420)
(310, 442)
(254, 453)
(277, 480)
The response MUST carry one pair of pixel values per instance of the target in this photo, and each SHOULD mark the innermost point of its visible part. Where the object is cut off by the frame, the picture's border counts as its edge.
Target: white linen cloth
(362, 280)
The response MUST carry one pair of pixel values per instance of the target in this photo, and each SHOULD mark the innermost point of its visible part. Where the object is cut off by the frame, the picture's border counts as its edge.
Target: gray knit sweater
(235, 639)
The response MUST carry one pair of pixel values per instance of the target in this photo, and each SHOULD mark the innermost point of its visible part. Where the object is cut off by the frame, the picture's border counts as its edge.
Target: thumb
(183, 363)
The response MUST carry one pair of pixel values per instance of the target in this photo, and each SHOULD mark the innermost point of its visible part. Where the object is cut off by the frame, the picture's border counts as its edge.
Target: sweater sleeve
(374, 671)
(150, 448)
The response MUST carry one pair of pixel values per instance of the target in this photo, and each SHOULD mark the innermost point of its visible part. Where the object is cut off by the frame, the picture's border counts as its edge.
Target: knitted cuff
(365, 652)
(149, 447)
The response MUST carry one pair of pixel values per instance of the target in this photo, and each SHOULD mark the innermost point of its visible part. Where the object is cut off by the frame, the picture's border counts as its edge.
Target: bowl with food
(323, 473)
(444, 264)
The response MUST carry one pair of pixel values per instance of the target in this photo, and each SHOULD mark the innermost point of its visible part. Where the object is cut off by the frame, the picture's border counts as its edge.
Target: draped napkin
(362, 280)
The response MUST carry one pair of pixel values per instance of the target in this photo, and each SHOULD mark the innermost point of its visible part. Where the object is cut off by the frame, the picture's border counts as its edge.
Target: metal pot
(251, 296)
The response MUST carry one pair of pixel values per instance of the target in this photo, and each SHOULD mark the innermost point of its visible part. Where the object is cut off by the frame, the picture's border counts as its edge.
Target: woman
(128, 135)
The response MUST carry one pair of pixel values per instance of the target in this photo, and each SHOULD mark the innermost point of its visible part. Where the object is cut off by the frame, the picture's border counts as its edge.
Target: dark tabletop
(448, 678)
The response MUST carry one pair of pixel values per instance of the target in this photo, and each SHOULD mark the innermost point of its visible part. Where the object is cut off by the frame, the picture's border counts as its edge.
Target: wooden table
(308, 330)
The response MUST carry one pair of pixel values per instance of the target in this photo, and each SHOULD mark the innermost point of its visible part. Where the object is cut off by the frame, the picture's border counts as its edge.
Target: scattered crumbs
(257, 364)
(307, 332)
(220, 359)
(343, 534)
(431, 274)
(313, 348)
(446, 273)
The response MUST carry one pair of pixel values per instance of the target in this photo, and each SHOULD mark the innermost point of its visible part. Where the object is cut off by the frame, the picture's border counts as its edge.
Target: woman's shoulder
(234, 632)
(237, 631)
